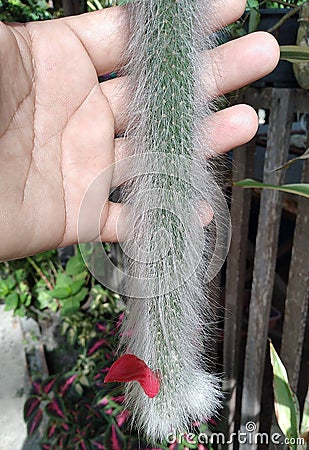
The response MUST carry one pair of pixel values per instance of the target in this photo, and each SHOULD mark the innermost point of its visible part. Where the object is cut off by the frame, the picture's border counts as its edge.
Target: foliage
(297, 188)
(287, 407)
(24, 10)
(249, 22)
(73, 408)
(100, 4)
(294, 53)
(38, 285)
(81, 411)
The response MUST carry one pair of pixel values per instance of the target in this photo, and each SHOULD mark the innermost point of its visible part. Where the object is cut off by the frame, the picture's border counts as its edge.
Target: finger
(116, 226)
(226, 15)
(114, 229)
(242, 61)
(104, 33)
(117, 95)
(232, 127)
(122, 149)
(236, 64)
(239, 123)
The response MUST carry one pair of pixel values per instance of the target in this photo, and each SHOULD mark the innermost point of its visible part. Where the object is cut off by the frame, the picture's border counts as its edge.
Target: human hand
(58, 123)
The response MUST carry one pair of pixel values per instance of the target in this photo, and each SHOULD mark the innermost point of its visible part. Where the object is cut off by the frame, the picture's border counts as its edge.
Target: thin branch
(284, 19)
(42, 275)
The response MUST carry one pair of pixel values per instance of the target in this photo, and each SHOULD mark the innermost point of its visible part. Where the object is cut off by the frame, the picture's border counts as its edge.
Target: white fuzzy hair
(168, 69)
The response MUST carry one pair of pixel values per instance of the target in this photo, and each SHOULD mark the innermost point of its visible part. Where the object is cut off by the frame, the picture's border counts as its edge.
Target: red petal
(131, 368)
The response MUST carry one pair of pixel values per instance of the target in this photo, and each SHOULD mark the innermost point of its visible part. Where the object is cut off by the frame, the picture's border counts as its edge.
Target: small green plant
(74, 408)
(296, 188)
(16, 293)
(287, 407)
(24, 10)
(249, 22)
(39, 285)
(81, 412)
(100, 4)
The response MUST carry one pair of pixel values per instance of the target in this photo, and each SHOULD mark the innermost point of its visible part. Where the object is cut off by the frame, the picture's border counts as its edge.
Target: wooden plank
(243, 158)
(296, 304)
(262, 98)
(265, 258)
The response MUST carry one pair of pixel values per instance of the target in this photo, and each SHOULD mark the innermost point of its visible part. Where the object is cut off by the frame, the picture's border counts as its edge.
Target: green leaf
(75, 265)
(79, 389)
(10, 282)
(76, 286)
(286, 403)
(297, 188)
(23, 287)
(294, 53)
(21, 311)
(69, 306)
(304, 428)
(71, 337)
(63, 280)
(3, 288)
(46, 300)
(253, 4)
(45, 256)
(81, 295)
(11, 301)
(25, 299)
(19, 275)
(61, 292)
(84, 380)
(254, 20)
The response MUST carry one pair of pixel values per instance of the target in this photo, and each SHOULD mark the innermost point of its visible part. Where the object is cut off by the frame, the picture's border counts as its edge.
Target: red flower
(131, 368)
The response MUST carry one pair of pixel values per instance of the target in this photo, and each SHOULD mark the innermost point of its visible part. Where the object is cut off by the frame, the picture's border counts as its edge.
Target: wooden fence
(244, 384)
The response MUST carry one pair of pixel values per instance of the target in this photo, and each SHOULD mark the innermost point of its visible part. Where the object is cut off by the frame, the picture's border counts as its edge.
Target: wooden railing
(244, 399)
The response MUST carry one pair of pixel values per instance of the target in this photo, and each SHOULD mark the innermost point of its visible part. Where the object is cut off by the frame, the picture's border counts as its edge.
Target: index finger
(104, 34)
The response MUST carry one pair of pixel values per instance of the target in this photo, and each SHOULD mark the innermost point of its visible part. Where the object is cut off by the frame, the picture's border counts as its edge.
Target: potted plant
(282, 20)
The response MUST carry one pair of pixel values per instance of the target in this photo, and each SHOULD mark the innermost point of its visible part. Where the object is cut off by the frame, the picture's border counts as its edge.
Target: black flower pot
(282, 76)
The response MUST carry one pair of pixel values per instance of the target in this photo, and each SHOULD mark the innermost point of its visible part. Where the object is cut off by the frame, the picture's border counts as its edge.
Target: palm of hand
(56, 125)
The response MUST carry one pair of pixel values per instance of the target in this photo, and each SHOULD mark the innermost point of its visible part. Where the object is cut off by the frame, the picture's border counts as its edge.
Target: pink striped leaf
(31, 406)
(56, 408)
(34, 422)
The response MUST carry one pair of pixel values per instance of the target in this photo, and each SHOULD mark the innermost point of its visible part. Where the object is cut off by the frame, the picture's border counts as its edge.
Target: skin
(58, 124)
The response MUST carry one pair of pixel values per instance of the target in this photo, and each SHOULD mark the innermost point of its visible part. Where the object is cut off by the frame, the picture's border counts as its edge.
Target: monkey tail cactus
(168, 252)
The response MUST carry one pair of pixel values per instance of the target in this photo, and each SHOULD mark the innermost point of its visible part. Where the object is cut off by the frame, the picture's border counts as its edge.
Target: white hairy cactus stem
(167, 111)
